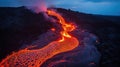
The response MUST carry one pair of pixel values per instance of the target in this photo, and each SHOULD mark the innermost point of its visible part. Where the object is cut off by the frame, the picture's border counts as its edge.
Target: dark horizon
(71, 10)
(101, 7)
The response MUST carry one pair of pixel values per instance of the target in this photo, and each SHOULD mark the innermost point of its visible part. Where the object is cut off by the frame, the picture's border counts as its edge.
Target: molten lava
(66, 27)
(36, 57)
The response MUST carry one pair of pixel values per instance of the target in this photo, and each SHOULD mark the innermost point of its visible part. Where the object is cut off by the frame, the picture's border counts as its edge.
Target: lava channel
(36, 57)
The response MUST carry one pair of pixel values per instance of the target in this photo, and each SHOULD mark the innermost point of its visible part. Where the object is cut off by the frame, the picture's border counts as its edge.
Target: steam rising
(35, 5)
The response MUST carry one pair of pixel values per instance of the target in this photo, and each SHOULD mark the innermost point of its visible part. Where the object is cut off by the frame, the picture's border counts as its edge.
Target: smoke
(35, 5)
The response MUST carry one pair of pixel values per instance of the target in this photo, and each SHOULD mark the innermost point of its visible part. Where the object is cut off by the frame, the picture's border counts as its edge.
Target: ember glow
(67, 27)
(36, 57)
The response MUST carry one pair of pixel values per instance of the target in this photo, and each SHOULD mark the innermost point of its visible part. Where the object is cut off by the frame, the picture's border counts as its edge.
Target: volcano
(67, 38)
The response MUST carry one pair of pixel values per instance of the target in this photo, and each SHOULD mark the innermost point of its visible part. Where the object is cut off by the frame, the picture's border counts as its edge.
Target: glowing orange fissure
(67, 27)
(36, 57)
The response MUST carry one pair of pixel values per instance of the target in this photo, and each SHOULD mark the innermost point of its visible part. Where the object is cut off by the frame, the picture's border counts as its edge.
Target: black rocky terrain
(20, 26)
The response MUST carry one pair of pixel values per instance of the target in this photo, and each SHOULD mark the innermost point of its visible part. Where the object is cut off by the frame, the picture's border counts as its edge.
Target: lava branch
(36, 57)
(67, 27)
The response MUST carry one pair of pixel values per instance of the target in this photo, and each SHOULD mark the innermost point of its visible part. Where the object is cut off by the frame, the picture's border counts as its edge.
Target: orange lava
(67, 27)
(36, 57)
(53, 29)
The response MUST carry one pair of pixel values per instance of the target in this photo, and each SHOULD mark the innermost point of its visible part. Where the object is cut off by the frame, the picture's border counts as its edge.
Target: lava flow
(36, 57)
(66, 27)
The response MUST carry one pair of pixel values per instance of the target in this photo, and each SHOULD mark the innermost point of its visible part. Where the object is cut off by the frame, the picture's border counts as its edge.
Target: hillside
(20, 26)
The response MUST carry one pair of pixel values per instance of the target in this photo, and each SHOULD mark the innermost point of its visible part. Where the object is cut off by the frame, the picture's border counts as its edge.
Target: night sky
(103, 7)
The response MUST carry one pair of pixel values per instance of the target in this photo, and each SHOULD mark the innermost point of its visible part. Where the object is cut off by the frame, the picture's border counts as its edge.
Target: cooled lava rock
(20, 27)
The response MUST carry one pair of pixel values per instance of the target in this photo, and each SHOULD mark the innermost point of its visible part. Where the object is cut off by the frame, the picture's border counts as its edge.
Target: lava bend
(36, 57)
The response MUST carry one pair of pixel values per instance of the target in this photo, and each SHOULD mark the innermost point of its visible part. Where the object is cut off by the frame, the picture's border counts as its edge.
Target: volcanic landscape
(58, 38)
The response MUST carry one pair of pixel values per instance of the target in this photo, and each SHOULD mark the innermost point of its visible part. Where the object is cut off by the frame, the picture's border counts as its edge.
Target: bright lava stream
(36, 57)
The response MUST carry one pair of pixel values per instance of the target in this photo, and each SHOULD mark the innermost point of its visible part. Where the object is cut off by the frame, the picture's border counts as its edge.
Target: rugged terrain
(20, 26)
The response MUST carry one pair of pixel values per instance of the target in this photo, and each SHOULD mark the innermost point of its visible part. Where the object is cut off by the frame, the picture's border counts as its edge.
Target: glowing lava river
(36, 57)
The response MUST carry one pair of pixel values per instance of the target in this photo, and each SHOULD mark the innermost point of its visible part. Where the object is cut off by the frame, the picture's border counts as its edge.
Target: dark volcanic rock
(106, 28)
(20, 26)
